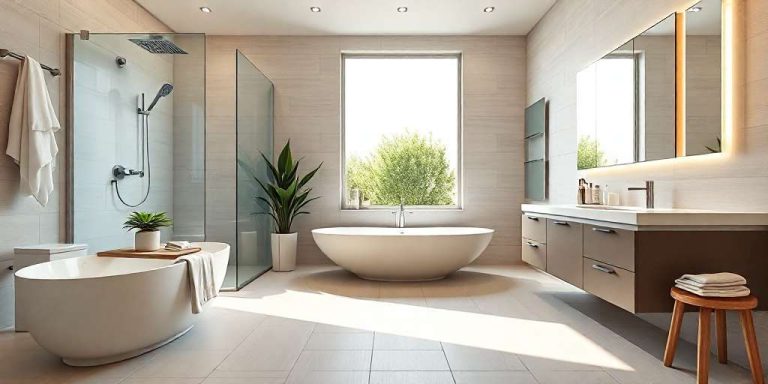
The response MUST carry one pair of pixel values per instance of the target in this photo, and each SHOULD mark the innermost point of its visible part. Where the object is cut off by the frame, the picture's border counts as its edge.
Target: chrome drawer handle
(603, 269)
(603, 230)
(532, 245)
(534, 218)
(560, 222)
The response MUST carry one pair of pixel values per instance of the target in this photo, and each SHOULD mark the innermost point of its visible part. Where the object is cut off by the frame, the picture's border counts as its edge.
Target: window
(401, 130)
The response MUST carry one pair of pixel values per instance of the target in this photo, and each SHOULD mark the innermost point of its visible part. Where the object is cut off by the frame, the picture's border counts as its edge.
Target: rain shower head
(164, 91)
(158, 44)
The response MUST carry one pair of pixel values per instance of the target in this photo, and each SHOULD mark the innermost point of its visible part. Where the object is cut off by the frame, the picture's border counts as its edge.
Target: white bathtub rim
(170, 263)
(122, 356)
(394, 231)
(161, 264)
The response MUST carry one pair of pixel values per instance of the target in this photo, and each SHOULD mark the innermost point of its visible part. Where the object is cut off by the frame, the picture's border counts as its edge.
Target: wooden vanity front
(634, 266)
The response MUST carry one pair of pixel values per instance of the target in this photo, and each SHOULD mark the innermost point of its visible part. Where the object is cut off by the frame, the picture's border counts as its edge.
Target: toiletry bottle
(597, 195)
(588, 194)
(580, 192)
(605, 200)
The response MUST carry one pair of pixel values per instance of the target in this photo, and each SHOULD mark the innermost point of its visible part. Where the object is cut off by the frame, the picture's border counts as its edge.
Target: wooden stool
(706, 305)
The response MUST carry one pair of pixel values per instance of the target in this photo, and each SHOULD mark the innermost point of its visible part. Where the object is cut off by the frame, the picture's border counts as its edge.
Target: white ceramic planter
(146, 241)
(284, 251)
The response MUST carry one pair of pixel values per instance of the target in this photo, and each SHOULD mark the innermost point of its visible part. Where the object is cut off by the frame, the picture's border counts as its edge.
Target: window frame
(459, 56)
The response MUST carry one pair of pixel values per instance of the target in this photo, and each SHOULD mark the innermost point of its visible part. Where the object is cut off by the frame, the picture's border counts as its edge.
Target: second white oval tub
(402, 254)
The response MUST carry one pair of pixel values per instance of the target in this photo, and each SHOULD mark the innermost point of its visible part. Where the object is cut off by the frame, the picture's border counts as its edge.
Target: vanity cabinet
(564, 250)
(534, 231)
(634, 265)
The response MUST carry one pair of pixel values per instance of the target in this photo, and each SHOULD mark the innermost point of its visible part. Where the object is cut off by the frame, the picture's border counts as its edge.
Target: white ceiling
(350, 17)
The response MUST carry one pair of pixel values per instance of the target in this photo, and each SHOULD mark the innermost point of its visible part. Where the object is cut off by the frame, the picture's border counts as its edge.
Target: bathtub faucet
(400, 216)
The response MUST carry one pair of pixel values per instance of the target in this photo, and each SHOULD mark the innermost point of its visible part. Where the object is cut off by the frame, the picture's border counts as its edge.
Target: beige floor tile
(409, 361)
(496, 377)
(340, 341)
(255, 376)
(333, 361)
(328, 377)
(384, 341)
(138, 380)
(330, 328)
(462, 358)
(581, 377)
(243, 380)
(181, 364)
(272, 348)
(411, 377)
(542, 364)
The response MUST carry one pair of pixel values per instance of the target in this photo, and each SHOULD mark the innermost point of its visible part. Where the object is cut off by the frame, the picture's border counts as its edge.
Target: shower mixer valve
(119, 172)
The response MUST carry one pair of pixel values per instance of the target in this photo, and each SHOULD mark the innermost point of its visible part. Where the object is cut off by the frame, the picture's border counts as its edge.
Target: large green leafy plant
(407, 168)
(147, 221)
(285, 190)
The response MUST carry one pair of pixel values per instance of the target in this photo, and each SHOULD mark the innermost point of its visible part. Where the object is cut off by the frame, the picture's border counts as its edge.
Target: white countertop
(636, 216)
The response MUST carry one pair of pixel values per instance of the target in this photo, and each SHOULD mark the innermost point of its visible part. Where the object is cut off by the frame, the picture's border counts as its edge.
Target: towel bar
(5, 52)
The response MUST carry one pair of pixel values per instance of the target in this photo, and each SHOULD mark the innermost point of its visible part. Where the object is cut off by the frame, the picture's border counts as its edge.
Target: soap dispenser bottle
(596, 195)
(581, 192)
(588, 194)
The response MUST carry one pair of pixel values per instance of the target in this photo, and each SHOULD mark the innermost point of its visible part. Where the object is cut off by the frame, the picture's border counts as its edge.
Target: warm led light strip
(680, 84)
(728, 42)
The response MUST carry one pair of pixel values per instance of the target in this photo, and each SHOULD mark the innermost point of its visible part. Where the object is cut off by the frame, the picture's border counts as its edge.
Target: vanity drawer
(535, 253)
(609, 245)
(534, 228)
(612, 284)
(564, 250)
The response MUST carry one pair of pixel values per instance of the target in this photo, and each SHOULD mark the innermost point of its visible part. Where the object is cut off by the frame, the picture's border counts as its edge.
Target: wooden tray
(159, 254)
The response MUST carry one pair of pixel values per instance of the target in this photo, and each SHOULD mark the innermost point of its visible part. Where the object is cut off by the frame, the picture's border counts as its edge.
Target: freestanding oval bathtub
(402, 254)
(96, 310)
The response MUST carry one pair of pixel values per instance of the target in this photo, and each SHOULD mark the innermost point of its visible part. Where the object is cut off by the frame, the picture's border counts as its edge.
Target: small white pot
(146, 241)
(284, 251)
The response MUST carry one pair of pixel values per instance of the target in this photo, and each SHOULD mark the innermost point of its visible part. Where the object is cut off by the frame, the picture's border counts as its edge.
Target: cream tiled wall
(306, 74)
(575, 32)
(37, 28)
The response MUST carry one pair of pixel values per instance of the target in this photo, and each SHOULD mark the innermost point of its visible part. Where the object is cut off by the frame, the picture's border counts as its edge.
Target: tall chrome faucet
(400, 216)
(648, 192)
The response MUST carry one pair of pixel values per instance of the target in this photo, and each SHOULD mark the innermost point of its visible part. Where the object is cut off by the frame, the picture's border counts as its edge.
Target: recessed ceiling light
(489, 9)
(205, 10)
(315, 9)
(694, 9)
(402, 9)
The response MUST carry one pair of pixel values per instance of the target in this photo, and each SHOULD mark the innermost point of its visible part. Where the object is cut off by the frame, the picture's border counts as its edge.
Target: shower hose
(144, 152)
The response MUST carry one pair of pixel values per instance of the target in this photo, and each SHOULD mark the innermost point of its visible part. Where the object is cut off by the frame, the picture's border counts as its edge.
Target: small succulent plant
(147, 221)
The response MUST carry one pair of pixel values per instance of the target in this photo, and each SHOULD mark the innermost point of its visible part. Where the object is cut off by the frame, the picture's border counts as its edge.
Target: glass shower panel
(161, 149)
(255, 99)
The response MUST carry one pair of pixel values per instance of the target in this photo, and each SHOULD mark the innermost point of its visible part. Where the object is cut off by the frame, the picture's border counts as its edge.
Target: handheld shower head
(164, 91)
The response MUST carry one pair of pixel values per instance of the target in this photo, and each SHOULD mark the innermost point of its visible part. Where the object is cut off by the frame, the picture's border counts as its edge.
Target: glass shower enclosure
(138, 143)
(137, 135)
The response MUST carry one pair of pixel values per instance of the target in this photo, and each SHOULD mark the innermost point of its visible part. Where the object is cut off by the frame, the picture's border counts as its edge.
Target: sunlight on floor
(542, 339)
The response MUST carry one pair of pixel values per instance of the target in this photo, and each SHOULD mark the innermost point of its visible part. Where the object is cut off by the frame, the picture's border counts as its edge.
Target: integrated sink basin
(638, 216)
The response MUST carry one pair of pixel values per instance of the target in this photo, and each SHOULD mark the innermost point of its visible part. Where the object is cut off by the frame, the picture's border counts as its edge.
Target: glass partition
(255, 98)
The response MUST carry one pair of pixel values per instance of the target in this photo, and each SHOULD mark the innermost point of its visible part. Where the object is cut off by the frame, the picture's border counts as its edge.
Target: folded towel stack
(177, 245)
(723, 284)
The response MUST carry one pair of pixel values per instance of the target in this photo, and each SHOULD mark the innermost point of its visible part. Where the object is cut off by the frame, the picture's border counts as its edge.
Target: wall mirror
(656, 97)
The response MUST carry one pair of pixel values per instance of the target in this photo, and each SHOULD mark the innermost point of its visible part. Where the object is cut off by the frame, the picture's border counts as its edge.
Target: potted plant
(147, 238)
(286, 197)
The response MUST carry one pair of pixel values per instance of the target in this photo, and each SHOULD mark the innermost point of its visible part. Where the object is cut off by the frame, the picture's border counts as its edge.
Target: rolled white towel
(722, 279)
(737, 291)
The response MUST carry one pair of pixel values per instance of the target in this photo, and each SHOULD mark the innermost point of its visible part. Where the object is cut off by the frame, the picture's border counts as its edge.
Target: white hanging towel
(31, 141)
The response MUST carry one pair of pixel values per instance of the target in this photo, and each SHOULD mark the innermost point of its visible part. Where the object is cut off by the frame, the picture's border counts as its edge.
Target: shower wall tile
(306, 73)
